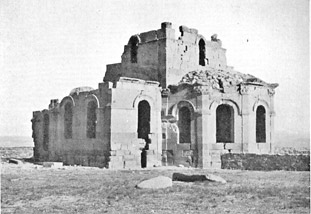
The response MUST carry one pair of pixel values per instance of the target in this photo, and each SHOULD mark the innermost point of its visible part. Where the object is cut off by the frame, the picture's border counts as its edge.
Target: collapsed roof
(219, 79)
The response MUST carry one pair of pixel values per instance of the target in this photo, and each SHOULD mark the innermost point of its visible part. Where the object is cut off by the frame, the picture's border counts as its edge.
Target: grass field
(28, 188)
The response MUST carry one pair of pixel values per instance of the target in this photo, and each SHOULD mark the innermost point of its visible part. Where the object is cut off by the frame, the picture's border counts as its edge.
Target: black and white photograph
(158, 106)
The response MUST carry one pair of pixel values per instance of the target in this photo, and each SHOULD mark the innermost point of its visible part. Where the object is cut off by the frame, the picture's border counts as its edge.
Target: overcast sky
(49, 47)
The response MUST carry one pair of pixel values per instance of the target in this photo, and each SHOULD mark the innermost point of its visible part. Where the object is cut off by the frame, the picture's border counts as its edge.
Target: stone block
(161, 34)
(136, 152)
(152, 160)
(15, 161)
(128, 157)
(155, 183)
(53, 164)
(70, 160)
(122, 152)
(150, 152)
(116, 165)
(115, 146)
(148, 36)
(215, 165)
(188, 178)
(132, 164)
(85, 160)
(124, 146)
(116, 158)
(101, 162)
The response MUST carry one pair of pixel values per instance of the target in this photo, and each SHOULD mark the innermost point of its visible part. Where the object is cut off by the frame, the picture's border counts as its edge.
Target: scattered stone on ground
(188, 178)
(194, 178)
(215, 178)
(15, 161)
(53, 164)
(155, 183)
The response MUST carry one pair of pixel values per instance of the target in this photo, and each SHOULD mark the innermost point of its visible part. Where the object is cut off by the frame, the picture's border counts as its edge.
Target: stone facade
(169, 102)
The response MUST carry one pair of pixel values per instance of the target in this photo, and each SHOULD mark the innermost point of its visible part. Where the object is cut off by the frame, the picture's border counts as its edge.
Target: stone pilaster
(203, 134)
(246, 120)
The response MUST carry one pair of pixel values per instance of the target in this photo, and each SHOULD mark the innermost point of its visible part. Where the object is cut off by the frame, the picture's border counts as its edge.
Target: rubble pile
(218, 79)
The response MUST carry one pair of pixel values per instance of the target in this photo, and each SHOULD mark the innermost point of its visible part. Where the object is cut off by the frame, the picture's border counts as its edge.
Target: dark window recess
(261, 124)
(163, 136)
(134, 49)
(143, 119)
(68, 121)
(224, 124)
(91, 120)
(143, 129)
(202, 52)
(184, 125)
(46, 125)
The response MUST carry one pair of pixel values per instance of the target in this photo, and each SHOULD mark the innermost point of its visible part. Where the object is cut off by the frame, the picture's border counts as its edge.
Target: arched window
(134, 48)
(224, 124)
(46, 125)
(184, 125)
(91, 119)
(68, 121)
(260, 124)
(202, 52)
(143, 119)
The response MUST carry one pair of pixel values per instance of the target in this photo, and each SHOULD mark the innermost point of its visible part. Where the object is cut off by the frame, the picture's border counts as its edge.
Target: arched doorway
(184, 125)
(143, 129)
(260, 124)
(224, 124)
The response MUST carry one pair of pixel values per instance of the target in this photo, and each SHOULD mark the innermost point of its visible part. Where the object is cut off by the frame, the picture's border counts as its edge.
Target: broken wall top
(220, 79)
(159, 56)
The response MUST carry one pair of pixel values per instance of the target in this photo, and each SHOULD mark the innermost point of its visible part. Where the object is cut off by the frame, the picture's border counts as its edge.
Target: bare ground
(28, 188)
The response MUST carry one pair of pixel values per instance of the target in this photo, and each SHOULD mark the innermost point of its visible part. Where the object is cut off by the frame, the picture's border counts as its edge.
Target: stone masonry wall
(265, 162)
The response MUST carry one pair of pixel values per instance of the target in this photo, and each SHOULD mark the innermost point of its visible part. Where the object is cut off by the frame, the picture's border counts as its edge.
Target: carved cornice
(271, 92)
(165, 92)
(244, 89)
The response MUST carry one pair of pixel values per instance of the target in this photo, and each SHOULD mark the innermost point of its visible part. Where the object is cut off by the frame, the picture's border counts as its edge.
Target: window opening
(134, 49)
(224, 124)
(184, 125)
(261, 124)
(91, 119)
(202, 52)
(68, 121)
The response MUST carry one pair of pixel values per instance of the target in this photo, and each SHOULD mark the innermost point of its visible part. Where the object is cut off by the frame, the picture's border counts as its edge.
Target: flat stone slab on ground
(215, 178)
(155, 183)
(194, 178)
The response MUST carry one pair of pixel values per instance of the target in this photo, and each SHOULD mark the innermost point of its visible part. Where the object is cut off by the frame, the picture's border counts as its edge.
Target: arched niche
(183, 103)
(67, 99)
(133, 43)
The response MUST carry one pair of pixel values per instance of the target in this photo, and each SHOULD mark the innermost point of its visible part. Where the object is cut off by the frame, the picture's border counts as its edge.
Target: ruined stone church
(169, 102)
